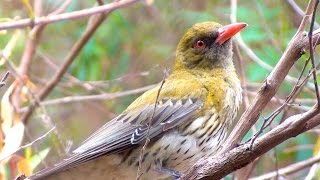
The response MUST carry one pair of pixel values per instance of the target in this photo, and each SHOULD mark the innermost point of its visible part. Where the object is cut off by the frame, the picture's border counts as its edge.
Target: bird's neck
(205, 64)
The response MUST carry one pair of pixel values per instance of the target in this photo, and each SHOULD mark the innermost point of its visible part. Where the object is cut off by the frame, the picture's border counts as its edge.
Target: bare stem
(310, 35)
(65, 16)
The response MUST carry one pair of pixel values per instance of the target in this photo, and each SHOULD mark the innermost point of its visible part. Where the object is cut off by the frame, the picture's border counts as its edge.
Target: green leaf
(36, 159)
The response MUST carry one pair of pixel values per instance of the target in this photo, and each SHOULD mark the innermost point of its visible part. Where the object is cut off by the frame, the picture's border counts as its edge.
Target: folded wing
(130, 129)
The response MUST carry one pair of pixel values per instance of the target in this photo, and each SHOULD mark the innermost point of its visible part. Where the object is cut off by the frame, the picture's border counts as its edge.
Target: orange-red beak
(228, 31)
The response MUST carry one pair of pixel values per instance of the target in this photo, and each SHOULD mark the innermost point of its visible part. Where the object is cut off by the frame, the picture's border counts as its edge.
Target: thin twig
(139, 173)
(295, 95)
(253, 56)
(293, 168)
(96, 97)
(73, 79)
(276, 163)
(239, 156)
(220, 165)
(270, 87)
(61, 8)
(306, 16)
(313, 170)
(314, 73)
(75, 50)
(35, 36)
(267, 121)
(296, 89)
(299, 11)
(29, 144)
(65, 16)
(3, 79)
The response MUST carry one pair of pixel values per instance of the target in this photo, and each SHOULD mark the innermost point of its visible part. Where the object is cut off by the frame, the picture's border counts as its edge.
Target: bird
(162, 133)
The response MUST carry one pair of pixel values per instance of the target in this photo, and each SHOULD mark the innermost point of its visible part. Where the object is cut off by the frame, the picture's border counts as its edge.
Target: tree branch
(75, 50)
(293, 168)
(220, 165)
(65, 16)
(96, 97)
(231, 157)
(34, 37)
(295, 49)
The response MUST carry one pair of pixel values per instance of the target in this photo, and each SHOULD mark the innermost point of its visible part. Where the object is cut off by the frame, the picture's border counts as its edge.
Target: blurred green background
(133, 48)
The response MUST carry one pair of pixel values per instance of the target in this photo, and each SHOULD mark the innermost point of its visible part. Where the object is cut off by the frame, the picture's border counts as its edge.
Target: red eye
(200, 44)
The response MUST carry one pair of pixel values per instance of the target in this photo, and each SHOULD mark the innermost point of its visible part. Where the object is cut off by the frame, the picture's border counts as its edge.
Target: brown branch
(62, 7)
(296, 89)
(277, 101)
(97, 97)
(230, 157)
(295, 95)
(75, 50)
(244, 173)
(306, 17)
(298, 10)
(220, 165)
(34, 37)
(293, 52)
(65, 16)
(314, 73)
(293, 168)
(72, 79)
(32, 42)
(251, 54)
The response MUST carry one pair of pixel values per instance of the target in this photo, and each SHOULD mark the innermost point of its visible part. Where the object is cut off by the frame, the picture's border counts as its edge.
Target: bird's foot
(175, 174)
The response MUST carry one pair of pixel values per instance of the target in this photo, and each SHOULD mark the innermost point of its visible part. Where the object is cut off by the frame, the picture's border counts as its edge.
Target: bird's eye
(200, 44)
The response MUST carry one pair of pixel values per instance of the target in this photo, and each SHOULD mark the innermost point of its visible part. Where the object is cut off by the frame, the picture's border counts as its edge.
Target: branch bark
(218, 166)
(295, 49)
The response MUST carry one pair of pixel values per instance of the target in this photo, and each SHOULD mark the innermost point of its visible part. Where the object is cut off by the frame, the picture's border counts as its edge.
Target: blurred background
(131, 50)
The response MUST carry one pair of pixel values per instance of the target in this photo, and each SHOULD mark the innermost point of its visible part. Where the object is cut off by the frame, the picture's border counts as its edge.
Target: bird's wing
(130, 128)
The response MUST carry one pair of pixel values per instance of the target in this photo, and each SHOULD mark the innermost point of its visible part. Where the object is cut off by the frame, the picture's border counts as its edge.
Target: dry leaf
(23, 167)
(12, 141)
(15, 95)
(8, 113)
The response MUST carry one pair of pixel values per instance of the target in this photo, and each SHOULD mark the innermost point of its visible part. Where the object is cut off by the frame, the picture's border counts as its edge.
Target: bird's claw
(174, 173)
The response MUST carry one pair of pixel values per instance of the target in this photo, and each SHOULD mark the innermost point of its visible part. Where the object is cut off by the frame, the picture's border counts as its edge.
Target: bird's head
(206, 45)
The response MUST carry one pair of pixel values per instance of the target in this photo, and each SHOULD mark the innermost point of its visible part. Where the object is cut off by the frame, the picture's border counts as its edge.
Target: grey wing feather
(129, 129)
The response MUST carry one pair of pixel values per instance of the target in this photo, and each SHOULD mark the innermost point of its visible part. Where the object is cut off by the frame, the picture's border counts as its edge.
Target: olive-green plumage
(192, 116)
